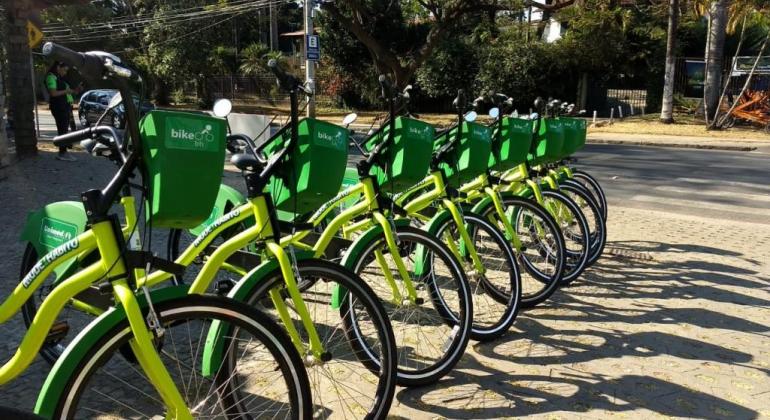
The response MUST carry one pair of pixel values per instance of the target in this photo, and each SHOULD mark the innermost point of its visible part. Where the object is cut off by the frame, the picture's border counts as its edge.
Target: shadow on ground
(595, 331)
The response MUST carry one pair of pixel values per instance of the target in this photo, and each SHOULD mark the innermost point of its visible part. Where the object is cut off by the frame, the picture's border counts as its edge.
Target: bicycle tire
(593, 185)
(378, 367)
(596, 224)
(285, 363)
(575, 231)
(459, 320)
(546, 276)
(495, 302)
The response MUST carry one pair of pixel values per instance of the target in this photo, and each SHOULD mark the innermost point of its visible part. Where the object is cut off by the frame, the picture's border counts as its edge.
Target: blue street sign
(312, 47)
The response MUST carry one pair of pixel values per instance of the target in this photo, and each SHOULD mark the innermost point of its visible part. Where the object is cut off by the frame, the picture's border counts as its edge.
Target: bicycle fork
(316, 351)
(470, 249)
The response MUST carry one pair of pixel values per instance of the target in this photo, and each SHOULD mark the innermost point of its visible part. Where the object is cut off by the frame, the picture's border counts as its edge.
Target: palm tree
(667, 110)
(254, 59)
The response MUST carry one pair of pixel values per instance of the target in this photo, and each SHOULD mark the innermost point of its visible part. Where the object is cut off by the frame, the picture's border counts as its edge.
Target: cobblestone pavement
(672, 322)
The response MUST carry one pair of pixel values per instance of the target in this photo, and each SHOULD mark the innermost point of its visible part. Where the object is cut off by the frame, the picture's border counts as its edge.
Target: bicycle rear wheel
(69, 321)
(260, 375)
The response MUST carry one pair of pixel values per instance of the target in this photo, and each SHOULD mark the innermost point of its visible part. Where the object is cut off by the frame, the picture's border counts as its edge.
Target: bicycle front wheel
(574, 227)
(592, 185)
(433, 331)
(260, 374)
(357, 377)
(543, 252)
(496, 292)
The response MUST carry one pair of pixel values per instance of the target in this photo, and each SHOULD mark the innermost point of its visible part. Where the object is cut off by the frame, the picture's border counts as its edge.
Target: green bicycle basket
(574, 135)
(185, 157)
(470, 157)
(511, 145)
(549, 142)
(313, 171)
(406, 160)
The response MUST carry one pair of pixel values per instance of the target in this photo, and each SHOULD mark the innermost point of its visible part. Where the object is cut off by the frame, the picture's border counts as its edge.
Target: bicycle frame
(435, 191)
(367, 205)
(102, 237)
(256, 208)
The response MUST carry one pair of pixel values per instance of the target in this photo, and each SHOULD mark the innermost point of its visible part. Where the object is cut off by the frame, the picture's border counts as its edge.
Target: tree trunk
(715, 56)
(3, 138)
(748, 81)
(718, 120)
(667, 110)
(20, 81)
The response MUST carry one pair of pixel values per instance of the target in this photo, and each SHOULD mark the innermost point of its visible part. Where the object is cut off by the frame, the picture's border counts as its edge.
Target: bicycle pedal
(57, 332)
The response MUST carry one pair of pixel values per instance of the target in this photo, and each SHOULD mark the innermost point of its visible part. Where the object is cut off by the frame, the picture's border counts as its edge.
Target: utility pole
(309, 64)
(273, 27)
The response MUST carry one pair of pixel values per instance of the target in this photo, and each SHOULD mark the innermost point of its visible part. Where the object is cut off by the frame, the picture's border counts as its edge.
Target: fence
(242, 90)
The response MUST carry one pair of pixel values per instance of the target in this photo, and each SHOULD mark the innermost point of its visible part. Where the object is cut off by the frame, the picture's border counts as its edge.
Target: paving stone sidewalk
(672, 322)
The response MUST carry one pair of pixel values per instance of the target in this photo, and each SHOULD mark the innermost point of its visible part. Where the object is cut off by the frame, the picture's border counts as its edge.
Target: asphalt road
(714, 184)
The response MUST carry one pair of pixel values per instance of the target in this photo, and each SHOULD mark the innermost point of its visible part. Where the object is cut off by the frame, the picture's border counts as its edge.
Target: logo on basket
(336, 140)
(200, 138)
(422, 132)
(483, 134)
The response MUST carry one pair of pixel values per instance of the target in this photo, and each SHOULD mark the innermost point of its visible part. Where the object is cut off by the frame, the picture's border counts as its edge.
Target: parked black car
(94, 102)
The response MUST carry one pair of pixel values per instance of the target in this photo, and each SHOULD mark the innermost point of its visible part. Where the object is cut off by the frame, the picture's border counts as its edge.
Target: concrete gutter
(708, 143)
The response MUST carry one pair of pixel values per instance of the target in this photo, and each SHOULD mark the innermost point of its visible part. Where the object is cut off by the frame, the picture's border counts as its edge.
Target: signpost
(35, 34)
(312, 55)
(313, 50)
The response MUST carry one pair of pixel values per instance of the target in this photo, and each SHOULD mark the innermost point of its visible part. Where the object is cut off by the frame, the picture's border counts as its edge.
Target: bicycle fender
(53, 225)
(354, 251)
(228, 198)
(432, 227)
(53, 388)
(216, 340)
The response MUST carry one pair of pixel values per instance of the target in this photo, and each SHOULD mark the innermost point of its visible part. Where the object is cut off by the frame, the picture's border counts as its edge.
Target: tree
(20, 82)
(3, 138)
(21, 103)
(667, 109)
(377, 24)
(718, 20)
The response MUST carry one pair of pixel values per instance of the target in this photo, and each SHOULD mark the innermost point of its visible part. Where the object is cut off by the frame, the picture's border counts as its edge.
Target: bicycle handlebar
(92, 64)
(87, 133)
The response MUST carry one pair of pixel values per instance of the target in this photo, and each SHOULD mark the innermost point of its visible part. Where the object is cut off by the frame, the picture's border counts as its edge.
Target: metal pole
(309, 64)
(273, 27)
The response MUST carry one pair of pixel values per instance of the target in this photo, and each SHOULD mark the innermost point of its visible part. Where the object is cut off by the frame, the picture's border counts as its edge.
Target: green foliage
(254, 59)
(453, 65)
(523, 71)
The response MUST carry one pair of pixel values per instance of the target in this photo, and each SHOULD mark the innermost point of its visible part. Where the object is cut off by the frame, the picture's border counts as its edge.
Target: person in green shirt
(61, 98)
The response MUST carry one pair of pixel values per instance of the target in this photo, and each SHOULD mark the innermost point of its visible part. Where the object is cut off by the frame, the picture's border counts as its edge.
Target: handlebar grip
(71, 138)
(88, 65)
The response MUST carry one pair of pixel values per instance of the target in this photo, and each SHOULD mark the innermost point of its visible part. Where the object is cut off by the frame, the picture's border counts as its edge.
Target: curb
(726, 147)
